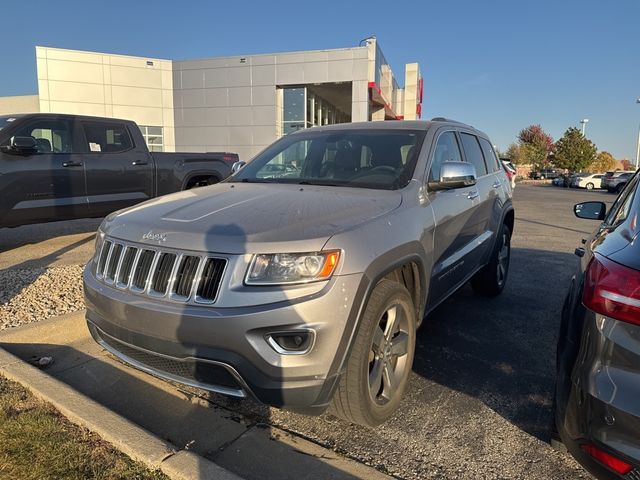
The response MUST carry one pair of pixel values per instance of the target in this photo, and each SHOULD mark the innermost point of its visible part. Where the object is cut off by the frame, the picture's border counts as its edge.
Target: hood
(238, 218)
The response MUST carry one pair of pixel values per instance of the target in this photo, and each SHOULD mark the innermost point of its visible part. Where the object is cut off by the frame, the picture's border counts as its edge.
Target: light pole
(584, 122)
(638, 146)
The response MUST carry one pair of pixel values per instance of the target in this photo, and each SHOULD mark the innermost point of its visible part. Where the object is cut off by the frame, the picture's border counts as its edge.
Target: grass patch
(38, 443)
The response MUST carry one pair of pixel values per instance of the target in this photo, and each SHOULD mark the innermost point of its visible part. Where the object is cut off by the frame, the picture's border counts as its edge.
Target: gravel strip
(36, 294)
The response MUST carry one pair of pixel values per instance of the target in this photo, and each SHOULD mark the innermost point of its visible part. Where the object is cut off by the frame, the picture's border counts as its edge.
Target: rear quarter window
(490, 157)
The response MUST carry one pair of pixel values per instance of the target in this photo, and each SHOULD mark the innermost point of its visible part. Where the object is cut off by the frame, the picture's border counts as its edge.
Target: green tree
(574, 151)
(534, 146)
(512, 153)
(604, 162)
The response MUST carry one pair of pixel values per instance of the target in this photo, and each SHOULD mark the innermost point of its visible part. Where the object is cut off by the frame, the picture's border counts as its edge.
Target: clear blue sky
(498, 65)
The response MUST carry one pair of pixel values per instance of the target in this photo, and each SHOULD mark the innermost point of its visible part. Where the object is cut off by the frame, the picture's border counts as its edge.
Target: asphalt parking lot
(479, 404)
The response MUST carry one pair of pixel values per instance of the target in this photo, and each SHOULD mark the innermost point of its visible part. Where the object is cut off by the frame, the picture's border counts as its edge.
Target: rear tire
(619, 188)
(378, 369)
(490, 281)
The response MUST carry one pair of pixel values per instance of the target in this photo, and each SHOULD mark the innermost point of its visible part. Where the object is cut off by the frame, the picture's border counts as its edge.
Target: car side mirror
(455, 175)
(23, 145)
(237, 166)
(590, 210)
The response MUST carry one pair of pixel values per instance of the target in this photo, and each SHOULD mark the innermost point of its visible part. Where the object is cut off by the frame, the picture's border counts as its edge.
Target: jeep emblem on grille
(155, 237)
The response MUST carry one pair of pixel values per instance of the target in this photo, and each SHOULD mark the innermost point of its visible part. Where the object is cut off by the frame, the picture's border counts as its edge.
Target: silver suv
(304, 289)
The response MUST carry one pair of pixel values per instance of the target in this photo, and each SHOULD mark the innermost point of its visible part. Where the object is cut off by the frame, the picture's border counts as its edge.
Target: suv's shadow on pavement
(501, 350)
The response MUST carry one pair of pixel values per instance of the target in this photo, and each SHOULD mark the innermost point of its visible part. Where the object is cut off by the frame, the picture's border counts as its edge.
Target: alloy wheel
(503, 260)
(388, 354)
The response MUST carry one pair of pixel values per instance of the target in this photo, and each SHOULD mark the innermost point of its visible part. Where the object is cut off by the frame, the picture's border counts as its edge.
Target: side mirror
(455, 175)
(237, 166)
(590, 210)
(23, 145)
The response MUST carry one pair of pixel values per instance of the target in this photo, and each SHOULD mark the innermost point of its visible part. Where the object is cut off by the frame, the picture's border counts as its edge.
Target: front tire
(379, 366)
(490, 281)
(589, 186)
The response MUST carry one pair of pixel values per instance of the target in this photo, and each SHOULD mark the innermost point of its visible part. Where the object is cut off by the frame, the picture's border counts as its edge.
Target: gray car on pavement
(302, 286)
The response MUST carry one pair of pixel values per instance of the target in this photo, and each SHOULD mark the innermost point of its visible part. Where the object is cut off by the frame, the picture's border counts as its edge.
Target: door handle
(139, 162)
(71, 164)
(496, 185)
(473, 195)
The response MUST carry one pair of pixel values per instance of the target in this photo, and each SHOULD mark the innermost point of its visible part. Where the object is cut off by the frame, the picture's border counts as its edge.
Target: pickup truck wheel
(378, 368)
(490, 281)
(201, 182)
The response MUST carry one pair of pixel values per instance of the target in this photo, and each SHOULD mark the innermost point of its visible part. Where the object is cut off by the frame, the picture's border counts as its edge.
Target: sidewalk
(187, 422)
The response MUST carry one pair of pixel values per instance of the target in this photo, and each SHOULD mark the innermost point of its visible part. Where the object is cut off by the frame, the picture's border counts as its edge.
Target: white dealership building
(236, 104)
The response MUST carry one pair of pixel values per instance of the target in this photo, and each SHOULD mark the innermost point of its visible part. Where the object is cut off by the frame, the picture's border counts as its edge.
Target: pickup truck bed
(58, 167)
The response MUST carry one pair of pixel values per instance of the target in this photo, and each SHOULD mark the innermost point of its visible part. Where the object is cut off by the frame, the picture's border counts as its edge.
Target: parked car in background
(306, 290)
(511, 171)
(558, 181)
(597, 406)
(572, 180)
(59, 167)
(547, 173)
(615, 181)
(588, 181)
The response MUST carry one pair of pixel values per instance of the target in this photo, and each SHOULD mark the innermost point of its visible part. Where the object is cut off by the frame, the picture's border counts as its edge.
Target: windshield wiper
(326, 183)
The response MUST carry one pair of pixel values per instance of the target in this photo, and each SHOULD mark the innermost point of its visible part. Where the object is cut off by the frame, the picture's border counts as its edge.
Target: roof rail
(443, 119)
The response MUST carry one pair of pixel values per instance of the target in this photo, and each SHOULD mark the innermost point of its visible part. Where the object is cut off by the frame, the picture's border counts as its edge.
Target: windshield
(371, 158)
(5, 121)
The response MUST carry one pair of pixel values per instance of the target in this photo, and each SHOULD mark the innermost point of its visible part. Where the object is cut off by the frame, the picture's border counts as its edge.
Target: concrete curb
(123, 434)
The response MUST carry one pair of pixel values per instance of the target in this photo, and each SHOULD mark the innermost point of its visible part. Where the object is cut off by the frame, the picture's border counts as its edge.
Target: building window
(154, 138)
(294, 112)
(302, 108)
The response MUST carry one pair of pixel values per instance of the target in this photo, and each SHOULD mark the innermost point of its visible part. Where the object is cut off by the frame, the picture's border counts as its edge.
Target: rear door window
(473, 153)
(107, 137)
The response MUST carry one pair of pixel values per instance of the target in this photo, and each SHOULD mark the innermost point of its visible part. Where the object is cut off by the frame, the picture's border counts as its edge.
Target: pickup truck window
(364, 158)
(107, 137)
(51, 136)
(6, 120)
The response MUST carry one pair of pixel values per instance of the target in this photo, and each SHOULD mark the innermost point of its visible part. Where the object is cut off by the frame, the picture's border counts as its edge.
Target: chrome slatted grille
(210, 279)
(126, 267)
(141, 273)
(112, 262)
(102, 262)
(161, 273)
(185, 276)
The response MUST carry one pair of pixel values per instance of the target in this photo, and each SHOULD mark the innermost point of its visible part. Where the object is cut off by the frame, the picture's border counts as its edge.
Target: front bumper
(225, 350)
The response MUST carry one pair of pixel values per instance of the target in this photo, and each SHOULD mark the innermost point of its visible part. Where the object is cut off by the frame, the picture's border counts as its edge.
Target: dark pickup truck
(59, 167)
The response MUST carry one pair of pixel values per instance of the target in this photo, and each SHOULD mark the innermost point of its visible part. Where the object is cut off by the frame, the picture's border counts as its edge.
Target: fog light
(295, 342)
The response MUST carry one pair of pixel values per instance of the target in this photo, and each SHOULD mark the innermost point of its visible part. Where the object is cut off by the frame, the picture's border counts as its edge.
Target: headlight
(287, 268)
